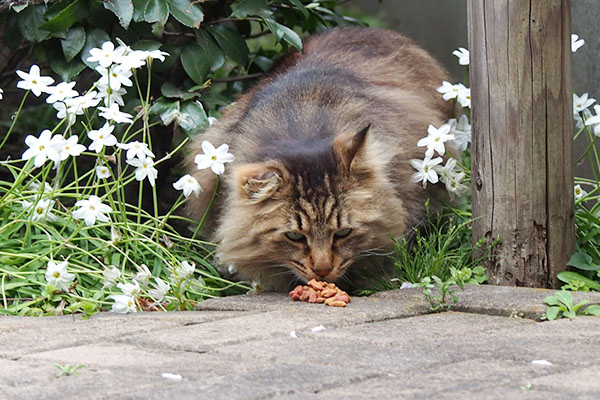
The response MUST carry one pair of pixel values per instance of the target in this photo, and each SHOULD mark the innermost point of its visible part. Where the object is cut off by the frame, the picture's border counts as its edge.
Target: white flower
(92, 210)
(110, 96)
(576, 43)
(144, 168)
(114, 77)
(157, 54)
(463, 55)
(33, 81)
(1, 92)
(102, 172)
(455, 186)
(579, 192)
(461, 132)
(435, 140)
(106, 55)
(579, 119)
(57, 275)
(42, 148)
(70, 147)
(123, 304)
(130, 289)
(136, 149)
(112, 113)
(594, 121)
(425, 170)
(102, 137)
(90, 99)
(110, 274)
(581, 103)
(133, 59)
(40, 211)
(61, 91)
(185, 270)
(143, 275)
(213, 158)
(448, 171)
(211, 121)
(160, 291)
(449, 90)
(464, 96)
(189, 185)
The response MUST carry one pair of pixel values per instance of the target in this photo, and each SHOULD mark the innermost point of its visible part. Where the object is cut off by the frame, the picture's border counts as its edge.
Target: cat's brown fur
(321, 146)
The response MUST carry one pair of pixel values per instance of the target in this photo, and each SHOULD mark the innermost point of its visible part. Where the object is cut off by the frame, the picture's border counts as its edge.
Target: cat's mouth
(307, 273)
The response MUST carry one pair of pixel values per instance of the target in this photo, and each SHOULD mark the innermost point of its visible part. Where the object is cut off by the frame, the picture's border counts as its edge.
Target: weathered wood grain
(520, 78)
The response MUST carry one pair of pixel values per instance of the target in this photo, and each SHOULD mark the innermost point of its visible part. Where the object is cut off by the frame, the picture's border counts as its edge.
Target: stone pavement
(385, 346)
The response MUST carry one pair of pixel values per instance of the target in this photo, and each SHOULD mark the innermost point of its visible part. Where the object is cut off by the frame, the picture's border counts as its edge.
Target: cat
(321, 176)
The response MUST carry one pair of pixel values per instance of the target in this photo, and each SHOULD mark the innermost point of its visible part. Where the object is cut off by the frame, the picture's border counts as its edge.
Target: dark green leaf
(251, 7)
(123, 9)
(139, 10)
(186, 12)
(211, 50)
(163, 105)
(12, 35)
(73, 42)
(231, 42)
(94, 39)
(264, 63)
(157, 11)
(283, 32)
(300, 7)
(582, 260)
(568, 276)
(170, 90)
(30, 20)
(196, 120)
(66, 70)
(194, 62)
(67, 17)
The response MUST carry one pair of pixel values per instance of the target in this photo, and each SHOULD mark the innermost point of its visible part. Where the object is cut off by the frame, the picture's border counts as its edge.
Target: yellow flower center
(92, 208)
(426, 169)
(34, 82)
(42, 147)
(57, 274)
(101, 136)
(214, 158)
(39, 210)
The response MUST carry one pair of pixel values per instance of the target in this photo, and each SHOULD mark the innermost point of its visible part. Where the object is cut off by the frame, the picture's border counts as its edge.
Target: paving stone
(580, 383)
(40, 334)
(496, 300)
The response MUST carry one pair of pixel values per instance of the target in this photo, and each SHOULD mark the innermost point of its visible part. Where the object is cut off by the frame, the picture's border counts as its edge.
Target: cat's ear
(258, 182)
(347, 146)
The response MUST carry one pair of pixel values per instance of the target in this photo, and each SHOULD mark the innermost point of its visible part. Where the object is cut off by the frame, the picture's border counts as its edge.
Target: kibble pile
(321, 292)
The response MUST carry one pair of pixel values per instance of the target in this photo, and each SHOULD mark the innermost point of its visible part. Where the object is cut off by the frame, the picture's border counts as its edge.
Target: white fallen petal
(293, 335)
(175, 377)
(542, 362)
(318, 328)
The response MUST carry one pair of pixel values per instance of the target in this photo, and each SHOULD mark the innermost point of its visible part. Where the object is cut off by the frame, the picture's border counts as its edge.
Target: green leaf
(139, 10)
(194, 63)
(264, 63)
(232, 43)
(186, 12)
(168, 89)
(552, 313)
(67, 17)
(211, 50)
(66, 70)
(94, 39)
(565, 298)
(123, 9)
(582, 260)
(552, 301)
(157, 11)
(251, 7)
(592, 310)
(283, 32)
(568, 276)
(73, 42)
(30, 20)
(300, 7)
(197, 120)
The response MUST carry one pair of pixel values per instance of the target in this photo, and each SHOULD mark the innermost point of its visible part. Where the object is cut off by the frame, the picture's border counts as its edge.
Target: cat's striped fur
(322, 146)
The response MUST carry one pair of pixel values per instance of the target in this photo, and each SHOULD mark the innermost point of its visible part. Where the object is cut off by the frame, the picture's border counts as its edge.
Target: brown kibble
(332, 302)
(342, 297)
(321, 299)
(313, 283)
(312, 296)
(328, 293)
(320, 292)
(295, 294)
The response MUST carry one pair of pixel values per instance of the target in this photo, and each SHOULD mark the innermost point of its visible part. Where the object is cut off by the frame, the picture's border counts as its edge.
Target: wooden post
(520, 76)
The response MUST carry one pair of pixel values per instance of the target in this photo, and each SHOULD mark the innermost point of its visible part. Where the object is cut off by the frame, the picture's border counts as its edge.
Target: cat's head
(310, 211)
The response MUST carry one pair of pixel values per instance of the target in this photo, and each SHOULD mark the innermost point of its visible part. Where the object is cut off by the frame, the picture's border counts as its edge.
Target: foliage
(68, 369)
(561, 306)
(439, 301)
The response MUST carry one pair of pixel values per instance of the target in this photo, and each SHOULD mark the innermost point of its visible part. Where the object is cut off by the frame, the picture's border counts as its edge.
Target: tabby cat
(321, 176)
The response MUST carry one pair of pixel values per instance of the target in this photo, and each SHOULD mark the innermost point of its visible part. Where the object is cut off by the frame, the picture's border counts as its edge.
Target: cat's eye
(294, 236)
(342, 233)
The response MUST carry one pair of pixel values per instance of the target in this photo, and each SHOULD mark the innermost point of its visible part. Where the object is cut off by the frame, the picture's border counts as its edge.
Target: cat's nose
(322, 270)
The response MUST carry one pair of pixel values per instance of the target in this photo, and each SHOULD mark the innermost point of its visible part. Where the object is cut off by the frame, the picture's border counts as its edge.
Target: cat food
(320, 292)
